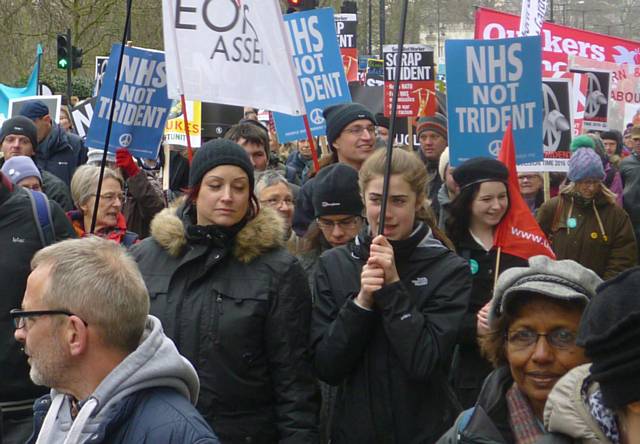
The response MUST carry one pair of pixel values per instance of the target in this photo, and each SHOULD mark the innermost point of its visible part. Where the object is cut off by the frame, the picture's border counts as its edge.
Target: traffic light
(302, 5)
(76, 57)
(63, 51)
(349, 7)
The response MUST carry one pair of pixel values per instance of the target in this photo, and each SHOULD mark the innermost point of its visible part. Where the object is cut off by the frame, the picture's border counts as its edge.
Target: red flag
(518, 233)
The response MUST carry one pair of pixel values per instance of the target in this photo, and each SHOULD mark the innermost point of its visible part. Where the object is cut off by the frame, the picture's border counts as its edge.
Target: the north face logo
(420, 282)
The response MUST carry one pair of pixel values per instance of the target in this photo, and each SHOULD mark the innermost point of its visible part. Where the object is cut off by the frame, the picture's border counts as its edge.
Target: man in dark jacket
(58, 151)
(114, 376)
(19, 240)
(432, 135)
(630, 172)
(18, 137)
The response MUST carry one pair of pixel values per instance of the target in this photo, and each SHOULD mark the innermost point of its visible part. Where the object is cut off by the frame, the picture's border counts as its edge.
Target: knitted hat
(585, 164)
(335, 191)
(339, 116)
(564, 280)
(480, 169)
(20, 126)
(610, 333)
(443, 162)
(219, 152)
(436, 123)
(94, 156)
(34, 109)
(20, 167)
(582, 141)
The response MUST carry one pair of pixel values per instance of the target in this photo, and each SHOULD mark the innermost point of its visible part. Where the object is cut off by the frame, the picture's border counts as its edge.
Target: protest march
(268, 228)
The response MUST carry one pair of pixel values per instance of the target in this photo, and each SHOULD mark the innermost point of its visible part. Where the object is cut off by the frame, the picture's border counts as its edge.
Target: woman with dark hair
(474, 214)
(235, 302)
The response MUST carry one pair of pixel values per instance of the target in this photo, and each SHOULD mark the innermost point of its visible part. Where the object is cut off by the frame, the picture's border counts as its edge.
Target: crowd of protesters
(249, 298)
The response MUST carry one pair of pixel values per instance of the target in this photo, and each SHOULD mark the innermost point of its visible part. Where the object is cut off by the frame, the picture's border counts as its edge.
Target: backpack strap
(129, 239)
(42, 215)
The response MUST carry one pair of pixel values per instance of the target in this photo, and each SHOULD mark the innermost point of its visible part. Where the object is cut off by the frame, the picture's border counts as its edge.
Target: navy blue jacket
(158, 415)
(61, 153)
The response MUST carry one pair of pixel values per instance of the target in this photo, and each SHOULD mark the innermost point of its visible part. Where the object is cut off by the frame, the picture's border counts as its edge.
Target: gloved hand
(126, 162)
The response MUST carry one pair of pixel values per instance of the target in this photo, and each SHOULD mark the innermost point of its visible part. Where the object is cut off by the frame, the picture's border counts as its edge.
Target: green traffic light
(62, 63)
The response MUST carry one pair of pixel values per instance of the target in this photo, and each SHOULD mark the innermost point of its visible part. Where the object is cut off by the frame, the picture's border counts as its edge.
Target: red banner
(558, 42)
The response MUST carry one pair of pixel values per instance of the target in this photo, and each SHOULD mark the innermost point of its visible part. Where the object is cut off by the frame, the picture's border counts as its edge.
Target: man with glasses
(86, 331)
(351, 136)
(273, 191)
(19, 240)
(630, 172)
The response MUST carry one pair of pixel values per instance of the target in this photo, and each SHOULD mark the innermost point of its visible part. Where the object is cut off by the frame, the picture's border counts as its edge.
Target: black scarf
(211, 235)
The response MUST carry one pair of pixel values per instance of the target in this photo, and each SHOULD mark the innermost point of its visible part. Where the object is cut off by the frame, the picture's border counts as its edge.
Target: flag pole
(110, 123)
(183, 103)
(496, 271)
(392, 123)
(314, 152)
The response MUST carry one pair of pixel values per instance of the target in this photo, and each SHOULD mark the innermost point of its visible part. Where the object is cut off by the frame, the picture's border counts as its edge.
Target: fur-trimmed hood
(263, 233)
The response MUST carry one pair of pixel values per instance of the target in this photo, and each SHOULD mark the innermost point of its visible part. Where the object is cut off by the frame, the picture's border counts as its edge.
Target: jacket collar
(261, 234)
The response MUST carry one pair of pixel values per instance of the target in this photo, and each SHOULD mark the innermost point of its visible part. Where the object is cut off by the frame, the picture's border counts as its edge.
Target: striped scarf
(524, 424)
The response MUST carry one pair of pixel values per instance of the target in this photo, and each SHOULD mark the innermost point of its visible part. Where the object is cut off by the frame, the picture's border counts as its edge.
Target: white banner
(231, 52)
(532, 17)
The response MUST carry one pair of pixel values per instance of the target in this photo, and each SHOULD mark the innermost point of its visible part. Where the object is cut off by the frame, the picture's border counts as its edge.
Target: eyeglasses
(275, 202)
(110, 197)
(528, 177)
(20, 317)
(359, 130)
(560, 338)
(345, 224)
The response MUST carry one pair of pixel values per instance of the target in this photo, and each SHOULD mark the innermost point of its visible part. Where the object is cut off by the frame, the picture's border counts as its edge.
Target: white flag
(235, 52)
(532, 17)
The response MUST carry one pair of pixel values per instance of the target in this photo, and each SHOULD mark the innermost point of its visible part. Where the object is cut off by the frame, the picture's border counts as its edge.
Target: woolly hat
(564, 280)
(585, 164)
(610, 333)
(94, 156)
(436, 123)
(219, 152)
(335, 191)
(443, 162)
(480, 169)
(582, 141)
(21, 126)
(20, 167)
(34, 109)
(339, 116)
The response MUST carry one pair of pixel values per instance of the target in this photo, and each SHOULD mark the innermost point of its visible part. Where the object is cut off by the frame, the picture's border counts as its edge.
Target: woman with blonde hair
(387, 312)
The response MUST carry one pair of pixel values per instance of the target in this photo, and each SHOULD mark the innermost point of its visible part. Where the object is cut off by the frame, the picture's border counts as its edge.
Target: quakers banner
(174, 131)
(346, 30)
(318, 65)
(417, 97)
(532, 16)
(497, 82)
(141, 107)
(231, 52)
(559, 42)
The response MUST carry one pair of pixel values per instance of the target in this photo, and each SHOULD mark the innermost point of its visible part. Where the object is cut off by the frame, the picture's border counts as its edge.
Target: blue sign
(491, 83)
(318, 63)
(141, 106)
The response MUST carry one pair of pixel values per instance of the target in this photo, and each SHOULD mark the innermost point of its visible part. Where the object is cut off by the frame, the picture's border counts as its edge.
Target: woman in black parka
(235, 303)
(386, 315)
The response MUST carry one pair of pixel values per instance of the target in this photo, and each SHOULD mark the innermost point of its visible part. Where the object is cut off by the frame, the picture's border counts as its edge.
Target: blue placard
(142, 105)
(319, 67)
(491, 83)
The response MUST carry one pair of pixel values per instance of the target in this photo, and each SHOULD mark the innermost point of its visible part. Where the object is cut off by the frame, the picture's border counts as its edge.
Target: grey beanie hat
(564, 280)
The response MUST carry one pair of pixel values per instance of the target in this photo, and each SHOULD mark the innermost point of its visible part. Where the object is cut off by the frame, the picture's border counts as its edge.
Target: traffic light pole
(69, 66)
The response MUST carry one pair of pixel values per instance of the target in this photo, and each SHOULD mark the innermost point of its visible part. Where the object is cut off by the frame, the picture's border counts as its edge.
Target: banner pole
(547, 185)
(183, 103)
(314, 152)
(394, 112)
(114, 97)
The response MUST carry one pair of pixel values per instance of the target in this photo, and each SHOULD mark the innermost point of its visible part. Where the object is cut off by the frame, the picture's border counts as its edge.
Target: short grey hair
(84, 183)
(97, 280)
(268, 179)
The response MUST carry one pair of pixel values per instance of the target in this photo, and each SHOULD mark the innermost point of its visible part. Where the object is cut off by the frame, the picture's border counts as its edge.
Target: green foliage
(57, 81)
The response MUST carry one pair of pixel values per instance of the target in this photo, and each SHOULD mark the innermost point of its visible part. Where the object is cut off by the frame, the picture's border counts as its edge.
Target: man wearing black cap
(351, 135)
(18, 137)
(58, 151)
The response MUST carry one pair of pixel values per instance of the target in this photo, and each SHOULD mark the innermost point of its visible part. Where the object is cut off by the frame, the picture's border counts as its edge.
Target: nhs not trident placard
(491, 83)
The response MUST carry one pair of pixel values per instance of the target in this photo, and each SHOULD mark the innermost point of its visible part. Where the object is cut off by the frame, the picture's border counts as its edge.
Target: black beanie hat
(219, 152)
(335, 191)
(610, 333)
(339, 116)
(382, 120)
(21, 126)
(480, 169)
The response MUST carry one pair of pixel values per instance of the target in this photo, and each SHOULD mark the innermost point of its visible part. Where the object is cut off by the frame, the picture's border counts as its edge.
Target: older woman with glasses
(110, 222)
(533, 319)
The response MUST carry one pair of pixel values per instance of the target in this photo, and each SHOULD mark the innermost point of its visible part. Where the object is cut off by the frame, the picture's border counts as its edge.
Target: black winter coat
(61, 153)
(391, 363)
(19, 241)
(240, 313)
